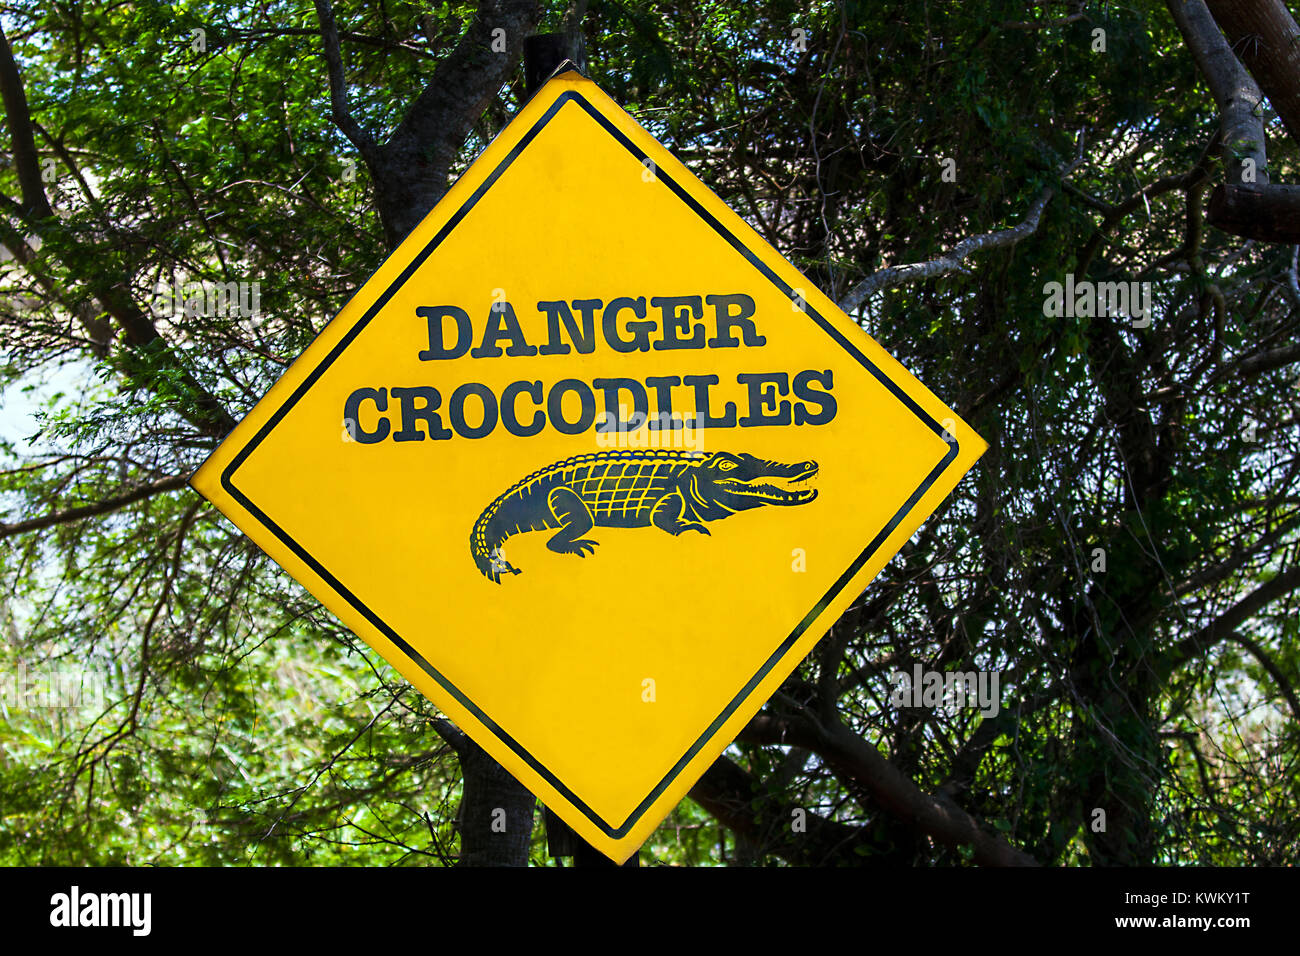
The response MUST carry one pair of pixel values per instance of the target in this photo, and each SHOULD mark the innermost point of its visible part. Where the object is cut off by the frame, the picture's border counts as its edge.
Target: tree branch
(1236, 93)
(571, 22)
(936, 816)
(1118, 212)
(468, 77)
(1227, 623)
(1042, 24)
(451, 735)
(896, 276)
(204, 410)
(1265, 37)
(342, 116)
(1268, 213)
(207, 412)
(1274, 672)
(1260, 362)
(411, 168)
(382, 43)
(733, 797)
(98, 508)
(36, 205)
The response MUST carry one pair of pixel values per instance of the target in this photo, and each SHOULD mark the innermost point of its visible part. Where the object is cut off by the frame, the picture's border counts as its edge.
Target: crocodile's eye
(726, 465)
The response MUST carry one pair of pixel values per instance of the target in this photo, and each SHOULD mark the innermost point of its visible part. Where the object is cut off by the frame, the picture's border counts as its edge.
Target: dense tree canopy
(1126, 555)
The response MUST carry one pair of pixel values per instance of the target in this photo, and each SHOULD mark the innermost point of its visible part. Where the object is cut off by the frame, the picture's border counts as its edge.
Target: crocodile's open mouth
(776, 489)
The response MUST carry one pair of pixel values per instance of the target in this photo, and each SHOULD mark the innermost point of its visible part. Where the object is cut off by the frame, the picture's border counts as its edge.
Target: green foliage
(240, 724)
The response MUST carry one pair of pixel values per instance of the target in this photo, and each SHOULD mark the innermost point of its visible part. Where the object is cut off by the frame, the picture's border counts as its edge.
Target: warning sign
(590, 463)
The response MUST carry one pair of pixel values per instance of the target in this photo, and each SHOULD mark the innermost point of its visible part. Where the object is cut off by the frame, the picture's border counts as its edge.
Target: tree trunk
(496, 811)
(1264, 213)
(1266, 39)
(410, 173)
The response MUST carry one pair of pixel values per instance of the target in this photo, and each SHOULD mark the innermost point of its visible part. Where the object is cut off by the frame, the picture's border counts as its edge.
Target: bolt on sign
(589, 463)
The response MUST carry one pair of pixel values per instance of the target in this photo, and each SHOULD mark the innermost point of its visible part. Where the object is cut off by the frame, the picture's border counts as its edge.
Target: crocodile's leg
(667, 515)
(575, 521)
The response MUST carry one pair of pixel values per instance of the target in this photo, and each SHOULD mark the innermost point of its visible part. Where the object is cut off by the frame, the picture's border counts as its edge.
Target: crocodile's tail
(486, 552)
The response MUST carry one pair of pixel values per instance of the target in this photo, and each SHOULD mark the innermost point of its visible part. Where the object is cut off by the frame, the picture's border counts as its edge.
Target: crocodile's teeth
(778, 493)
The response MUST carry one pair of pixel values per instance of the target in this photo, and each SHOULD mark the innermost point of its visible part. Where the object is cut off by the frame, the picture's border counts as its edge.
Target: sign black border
(227, 475)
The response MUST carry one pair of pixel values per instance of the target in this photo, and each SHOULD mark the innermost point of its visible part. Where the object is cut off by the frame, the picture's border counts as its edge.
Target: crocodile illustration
(675, 491)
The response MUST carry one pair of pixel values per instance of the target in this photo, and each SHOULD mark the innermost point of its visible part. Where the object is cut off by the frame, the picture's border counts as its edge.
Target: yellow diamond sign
(590, 463)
